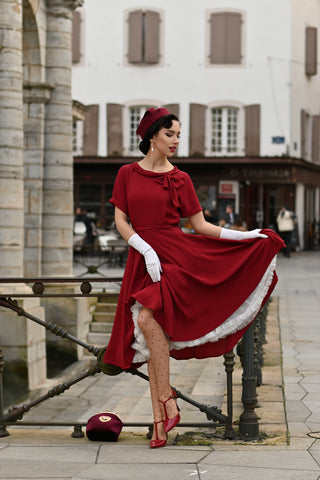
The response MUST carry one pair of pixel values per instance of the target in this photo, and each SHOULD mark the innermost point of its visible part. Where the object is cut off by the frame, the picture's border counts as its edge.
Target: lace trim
(238, 320)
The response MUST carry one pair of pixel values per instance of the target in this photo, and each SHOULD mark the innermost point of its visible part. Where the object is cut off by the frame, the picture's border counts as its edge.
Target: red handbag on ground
(104, 427)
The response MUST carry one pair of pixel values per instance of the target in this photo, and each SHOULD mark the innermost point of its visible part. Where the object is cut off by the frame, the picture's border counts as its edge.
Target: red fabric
(204, 279)
(149, 118)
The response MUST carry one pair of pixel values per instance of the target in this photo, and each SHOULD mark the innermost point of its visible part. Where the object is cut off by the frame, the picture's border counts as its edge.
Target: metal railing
(249, 350)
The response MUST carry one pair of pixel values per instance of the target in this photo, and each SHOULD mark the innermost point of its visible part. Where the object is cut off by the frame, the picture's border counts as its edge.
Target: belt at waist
(157, 227)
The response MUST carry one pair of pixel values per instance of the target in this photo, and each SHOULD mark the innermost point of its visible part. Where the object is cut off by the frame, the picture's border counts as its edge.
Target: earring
(151, 146)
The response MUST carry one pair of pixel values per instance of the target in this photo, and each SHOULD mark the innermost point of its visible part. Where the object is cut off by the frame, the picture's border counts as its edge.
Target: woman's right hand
(153, 264)
(151, 259)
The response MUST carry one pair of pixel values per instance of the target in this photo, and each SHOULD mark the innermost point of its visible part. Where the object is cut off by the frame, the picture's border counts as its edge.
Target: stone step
(106, 307)
(103, 316)
(98, 339)
(101, 327)
(112, 299)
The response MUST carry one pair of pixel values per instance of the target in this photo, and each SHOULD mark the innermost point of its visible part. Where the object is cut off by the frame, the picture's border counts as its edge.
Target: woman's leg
(159, 359)
(157, 414)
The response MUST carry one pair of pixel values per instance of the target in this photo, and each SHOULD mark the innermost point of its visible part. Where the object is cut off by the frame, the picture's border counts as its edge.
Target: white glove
(239, 235)
(151, 259)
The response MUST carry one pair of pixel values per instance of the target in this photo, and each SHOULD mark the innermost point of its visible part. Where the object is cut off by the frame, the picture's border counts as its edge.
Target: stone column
(11, 139)
(57, 237)
(35, 97)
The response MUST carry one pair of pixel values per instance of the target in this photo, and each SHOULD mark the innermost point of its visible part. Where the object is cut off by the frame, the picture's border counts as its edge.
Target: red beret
(104, 427)
(149, 118)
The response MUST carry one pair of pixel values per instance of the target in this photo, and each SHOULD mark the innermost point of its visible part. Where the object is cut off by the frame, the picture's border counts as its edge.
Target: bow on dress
(171, 183)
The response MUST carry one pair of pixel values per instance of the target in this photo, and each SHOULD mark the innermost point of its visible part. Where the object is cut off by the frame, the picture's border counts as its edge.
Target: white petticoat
(237, 321)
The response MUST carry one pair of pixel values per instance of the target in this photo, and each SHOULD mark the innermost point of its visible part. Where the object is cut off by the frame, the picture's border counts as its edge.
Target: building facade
(243, 78)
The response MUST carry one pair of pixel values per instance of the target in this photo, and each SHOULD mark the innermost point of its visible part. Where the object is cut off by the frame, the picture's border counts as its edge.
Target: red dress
(210, 290)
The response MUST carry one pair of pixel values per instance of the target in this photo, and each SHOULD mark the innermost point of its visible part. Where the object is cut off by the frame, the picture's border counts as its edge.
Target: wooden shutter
(252, 130)
(114, 129)
(76, 21)
(173, 108)
(197, 130)
(303, 128)
(225, 38)
(90, 131)
(233, 38)
(217, 37)
(151, 37)
(135, 40)
(316, 138)
(311, 51)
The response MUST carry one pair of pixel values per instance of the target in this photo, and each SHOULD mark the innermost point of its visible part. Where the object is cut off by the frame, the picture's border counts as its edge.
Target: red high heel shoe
(158, 442)
(170, 423)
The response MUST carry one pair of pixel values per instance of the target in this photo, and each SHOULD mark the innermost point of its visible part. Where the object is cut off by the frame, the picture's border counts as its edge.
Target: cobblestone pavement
(53, 454)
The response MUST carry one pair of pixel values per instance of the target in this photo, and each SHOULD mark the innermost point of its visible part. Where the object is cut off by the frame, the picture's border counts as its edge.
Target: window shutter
(151, 37)
(252, 130)
(233, 38)
(76, 20)
(225, 38)
(217, 37)
(173, 108)
(316, 138)
(135, 37)
(311, 51)
(90, 133)
(197, 130)
(114, 129)
(303, 126)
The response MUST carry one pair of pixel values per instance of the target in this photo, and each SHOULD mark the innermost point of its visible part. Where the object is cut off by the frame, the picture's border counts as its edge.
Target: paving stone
(133, 455)
(29, 469)
(291, 460)
(207, 472)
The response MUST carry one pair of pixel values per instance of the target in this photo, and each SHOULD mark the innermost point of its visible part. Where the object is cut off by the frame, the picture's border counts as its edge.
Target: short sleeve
(119, 193)
(189, 201)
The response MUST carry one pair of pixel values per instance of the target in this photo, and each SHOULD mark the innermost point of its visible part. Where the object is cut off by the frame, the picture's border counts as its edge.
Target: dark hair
(163, 122)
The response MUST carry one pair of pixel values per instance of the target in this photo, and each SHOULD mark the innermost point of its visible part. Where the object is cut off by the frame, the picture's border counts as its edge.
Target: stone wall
(36, 162)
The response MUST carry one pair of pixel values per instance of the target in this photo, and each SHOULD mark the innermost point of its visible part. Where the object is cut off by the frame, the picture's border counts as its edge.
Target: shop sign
(263, 173)
(226, 188)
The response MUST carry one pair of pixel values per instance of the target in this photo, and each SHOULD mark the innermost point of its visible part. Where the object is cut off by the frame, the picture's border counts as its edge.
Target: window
(78, 116)
(232, 129)
(123, 121)
(77, 137)
(224, 130)
(135, 114)
(144, 37)
(225, 45)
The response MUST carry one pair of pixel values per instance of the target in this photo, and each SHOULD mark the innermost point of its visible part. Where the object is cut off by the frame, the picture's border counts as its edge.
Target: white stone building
(242, 76)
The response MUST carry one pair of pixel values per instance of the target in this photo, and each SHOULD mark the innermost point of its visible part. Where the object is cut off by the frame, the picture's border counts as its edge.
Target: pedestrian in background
(286, 222)
(231, 217)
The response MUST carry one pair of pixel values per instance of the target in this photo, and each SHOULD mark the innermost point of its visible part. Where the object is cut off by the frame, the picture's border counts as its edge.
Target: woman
(285, 223)
(182, 295)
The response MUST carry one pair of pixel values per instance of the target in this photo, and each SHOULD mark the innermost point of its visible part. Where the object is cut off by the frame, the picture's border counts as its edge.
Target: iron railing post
(249, 421)
(3, 430)
(229, 364)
